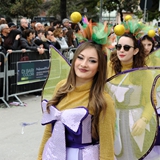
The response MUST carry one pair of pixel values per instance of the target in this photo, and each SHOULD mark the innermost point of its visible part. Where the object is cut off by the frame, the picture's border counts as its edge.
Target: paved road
(14, 144)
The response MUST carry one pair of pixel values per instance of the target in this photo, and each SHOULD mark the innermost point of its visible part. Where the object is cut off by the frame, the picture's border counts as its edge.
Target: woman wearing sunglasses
(128, 55)
(131, 93)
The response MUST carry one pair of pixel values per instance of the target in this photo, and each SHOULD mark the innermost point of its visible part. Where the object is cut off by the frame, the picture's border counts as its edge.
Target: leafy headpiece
(96, 32)
(138, 29)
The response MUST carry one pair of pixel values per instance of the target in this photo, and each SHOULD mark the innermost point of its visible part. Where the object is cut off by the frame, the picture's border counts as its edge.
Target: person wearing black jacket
(28, 43)
(12, 41)
(23, 25)
(51, 40)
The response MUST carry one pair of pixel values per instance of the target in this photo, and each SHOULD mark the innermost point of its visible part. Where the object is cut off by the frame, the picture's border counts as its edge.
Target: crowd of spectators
(36, 36)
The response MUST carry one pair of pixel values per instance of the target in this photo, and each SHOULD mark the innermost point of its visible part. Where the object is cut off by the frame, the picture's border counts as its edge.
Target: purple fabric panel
(158, 137)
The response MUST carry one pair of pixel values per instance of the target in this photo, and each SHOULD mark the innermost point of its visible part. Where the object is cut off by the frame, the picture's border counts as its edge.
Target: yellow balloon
(151, 33)
(119, 29)
(128, 17)
(140, 22)
(76, 17)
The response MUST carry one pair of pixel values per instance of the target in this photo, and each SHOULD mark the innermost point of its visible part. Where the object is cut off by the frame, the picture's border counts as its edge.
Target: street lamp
(100, 14)
(145, 9)
(85, 10)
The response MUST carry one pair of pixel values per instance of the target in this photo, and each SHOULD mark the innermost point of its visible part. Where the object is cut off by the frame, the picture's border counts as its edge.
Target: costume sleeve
(48, 128)
(110, 71)
(106, 131)
(146, 101)
(46, 136)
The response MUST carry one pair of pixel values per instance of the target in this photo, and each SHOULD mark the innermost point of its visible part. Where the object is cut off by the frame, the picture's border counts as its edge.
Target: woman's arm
(106, 131)
(24, 44)
(15, 45)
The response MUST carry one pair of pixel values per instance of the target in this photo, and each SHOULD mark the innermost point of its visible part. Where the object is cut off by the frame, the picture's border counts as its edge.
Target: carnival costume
(75, 123)
(131, 93)
(135, 99)
(68, 125)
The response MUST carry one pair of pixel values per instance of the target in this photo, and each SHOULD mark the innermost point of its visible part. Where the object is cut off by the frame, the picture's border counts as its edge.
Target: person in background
(40, 38)
(27, 41)
(75, 27)
(148, 44)
(12, 41)
(149, 47)
(3, 21)
(66, 23)
(32, 24)
(89, 131)
(64, 30)
(40, 35)
(38, 26)
(56, 24)
(23, 25)
(4, 31)
(71, 39)
(58, 34)
(51, 40)
(157, 39)
(12, 26)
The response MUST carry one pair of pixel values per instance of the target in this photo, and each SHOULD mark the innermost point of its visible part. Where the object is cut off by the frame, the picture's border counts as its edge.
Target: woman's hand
(23, 50)
(9, 51)
(139, 127)
(53, 39)
(18, 36)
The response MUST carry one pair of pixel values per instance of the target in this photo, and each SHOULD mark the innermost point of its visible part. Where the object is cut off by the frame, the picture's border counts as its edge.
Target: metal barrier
(23, 77)
(68, 53)
(2, 78)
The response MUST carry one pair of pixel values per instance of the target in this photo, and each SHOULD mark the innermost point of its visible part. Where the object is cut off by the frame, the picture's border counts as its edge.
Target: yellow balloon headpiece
(128, 17)
(76, 17)
(138, 29)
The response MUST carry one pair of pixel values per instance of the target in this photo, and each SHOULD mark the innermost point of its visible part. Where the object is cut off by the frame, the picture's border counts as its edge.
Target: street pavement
(21, 130)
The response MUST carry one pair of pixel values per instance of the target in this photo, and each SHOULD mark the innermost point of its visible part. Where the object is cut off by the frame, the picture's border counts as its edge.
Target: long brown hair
(138, 59)
(96, 102)
(69, 35)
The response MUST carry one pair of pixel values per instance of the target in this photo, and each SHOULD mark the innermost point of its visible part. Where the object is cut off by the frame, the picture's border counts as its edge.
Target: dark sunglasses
(125, 47)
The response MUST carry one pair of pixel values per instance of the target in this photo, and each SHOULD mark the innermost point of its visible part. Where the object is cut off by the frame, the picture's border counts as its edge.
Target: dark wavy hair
(138, 59)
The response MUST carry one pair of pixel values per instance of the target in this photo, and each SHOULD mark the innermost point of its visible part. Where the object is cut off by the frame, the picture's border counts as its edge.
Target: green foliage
(153, 15)
(110, 5)
(14, 8)
(52, 7)
(5, 7)
(139, 14)
(130, 5)
(30, 8)
(71, 6)
(26, 8)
